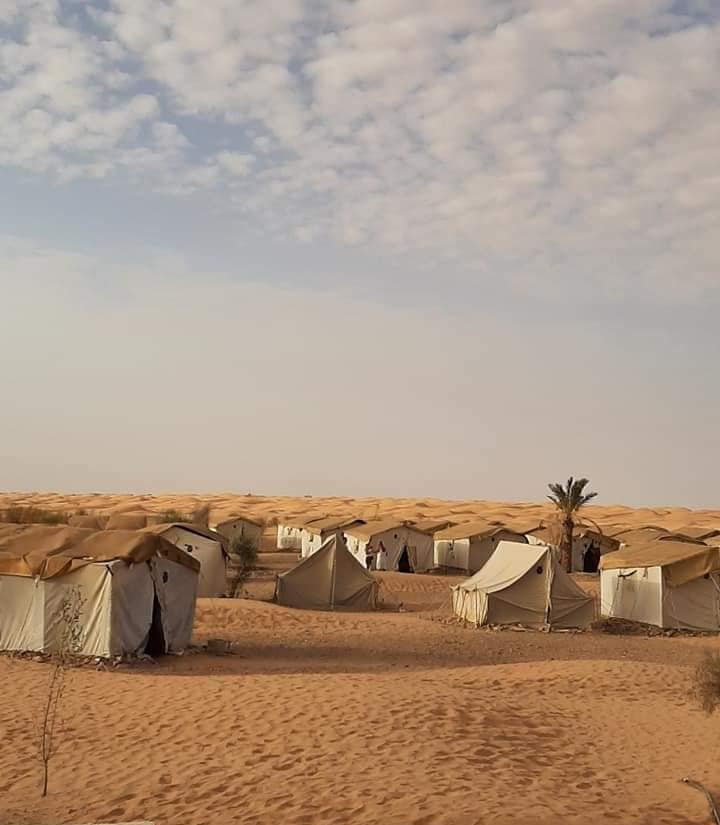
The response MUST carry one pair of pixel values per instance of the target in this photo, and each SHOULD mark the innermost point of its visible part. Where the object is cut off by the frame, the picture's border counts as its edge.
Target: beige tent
(327, 579)
(316, 533)
(391, 544)
(133, 591)
(290, 529)
(522, 584)
(241, 526)
(468, 546)
(666, 583)
(207, 546)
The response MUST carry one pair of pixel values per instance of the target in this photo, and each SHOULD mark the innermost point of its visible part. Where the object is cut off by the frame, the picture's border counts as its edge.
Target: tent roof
(44, 551)
(331, 523)
(484, 528)
(683, 561)
(185, 525)
(231, 519)
(301, 521)
(659, 553)
(510, 562)
(374, 528)
(432, 526)
(205, 532)
(699, 533)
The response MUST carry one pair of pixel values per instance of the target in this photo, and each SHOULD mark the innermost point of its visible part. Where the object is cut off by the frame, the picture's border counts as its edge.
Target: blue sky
(396, 247)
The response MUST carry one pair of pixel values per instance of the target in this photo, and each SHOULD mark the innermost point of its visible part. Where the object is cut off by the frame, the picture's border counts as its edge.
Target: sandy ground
(401, 717)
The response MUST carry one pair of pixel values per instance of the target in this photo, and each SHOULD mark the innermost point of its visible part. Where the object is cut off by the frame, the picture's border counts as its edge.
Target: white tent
(327, 579)
(666, 583)
(316, 533)
(289, 531)
(522, 584)
(468, 546)
(391, 545)
(113, 592)
(208, 547)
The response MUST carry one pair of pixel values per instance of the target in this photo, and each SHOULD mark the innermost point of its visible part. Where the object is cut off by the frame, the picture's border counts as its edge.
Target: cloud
(548, 145)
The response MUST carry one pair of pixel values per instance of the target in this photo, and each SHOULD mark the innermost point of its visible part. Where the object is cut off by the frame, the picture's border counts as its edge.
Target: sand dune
(272, 508)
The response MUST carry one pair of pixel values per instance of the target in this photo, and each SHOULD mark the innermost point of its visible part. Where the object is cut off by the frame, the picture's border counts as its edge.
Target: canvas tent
(468, 546)
(671, 584)
(207, 546)
(522, 584)
(136, 591)
(588, 547)
(241, 526)
(289, 531)
(329, 578)
(316, 533)
(391, 545)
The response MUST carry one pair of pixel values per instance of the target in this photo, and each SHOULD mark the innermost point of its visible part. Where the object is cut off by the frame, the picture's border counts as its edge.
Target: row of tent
(667, 583)
(519, 584)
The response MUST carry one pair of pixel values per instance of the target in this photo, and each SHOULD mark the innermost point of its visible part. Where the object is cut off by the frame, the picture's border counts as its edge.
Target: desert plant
(706, 682)
(243, 559)
(171, 516)
(69, 644)
(200, 516)
(569, 500)
(19, 514)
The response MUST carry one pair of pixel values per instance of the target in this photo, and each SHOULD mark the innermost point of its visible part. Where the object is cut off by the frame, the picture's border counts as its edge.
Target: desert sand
(273, 508)
(400, 716)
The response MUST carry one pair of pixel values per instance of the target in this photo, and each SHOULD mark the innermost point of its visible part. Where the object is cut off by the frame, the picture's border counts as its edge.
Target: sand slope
(272, 508)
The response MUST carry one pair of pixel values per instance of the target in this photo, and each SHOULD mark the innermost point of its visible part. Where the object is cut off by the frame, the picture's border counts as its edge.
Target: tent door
(156, 645)
(404, 565)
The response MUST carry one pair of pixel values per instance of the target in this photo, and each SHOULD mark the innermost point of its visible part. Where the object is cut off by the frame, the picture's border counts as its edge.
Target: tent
(522, 584)
(316, 533)
(468, 546)
(672, 584)
(391, 545)
(132, 591)
(327, 579)
(207, 546)
(241, 526)
(289, 530)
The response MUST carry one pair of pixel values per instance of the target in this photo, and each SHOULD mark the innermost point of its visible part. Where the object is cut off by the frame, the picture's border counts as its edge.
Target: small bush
(243, 560)
(707, 682)
(170, 516)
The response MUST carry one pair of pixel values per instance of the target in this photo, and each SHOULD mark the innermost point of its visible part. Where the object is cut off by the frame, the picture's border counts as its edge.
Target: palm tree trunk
(567, 543)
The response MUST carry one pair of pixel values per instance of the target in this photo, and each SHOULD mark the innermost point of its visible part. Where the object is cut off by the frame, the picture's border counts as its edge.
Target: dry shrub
(200, 516)
(243, 560)
(706, 686)
(173, 516)
(34, 515)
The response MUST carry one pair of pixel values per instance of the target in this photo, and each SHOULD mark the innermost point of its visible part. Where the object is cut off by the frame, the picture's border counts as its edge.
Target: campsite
(347, 694)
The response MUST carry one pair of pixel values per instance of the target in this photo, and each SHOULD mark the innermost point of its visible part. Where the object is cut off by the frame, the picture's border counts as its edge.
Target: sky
(449, 248)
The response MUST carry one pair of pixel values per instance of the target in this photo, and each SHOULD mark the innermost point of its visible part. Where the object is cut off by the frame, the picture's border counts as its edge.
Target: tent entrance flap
(156, 645)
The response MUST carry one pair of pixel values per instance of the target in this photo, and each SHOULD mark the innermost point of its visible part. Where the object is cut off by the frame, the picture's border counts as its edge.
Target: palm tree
(569, 500)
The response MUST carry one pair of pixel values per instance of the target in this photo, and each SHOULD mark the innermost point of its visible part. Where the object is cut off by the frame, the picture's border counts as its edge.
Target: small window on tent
(539, 569)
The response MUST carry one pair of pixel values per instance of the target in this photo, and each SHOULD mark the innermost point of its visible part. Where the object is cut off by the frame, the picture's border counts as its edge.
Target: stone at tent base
(218, 647)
